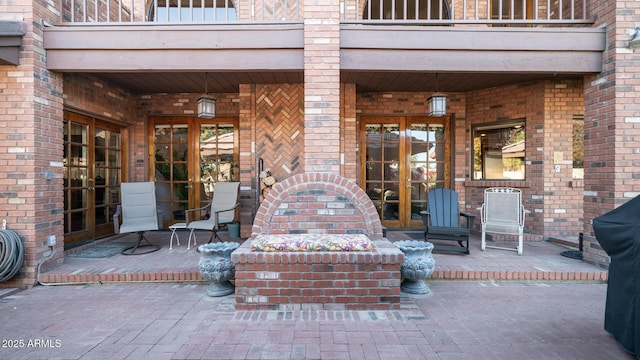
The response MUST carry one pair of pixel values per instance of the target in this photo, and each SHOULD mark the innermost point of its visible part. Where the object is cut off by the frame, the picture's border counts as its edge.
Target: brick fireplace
(322, 203)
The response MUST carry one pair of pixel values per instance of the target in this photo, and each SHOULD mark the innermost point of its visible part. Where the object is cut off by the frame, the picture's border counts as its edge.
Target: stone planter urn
(216, 266)
(418, 265)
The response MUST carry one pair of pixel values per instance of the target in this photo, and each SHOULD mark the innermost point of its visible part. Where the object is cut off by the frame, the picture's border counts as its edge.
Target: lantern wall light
(437, 102)
(206, 103)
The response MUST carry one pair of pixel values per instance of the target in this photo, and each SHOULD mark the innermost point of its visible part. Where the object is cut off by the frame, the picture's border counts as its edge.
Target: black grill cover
(618, 232)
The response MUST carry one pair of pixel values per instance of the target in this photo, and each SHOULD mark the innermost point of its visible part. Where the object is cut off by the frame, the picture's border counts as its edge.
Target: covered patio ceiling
(366, 81)
(169, 59)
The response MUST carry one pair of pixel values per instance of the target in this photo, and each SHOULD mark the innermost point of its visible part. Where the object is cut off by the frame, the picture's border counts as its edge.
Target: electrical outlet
(51, 240)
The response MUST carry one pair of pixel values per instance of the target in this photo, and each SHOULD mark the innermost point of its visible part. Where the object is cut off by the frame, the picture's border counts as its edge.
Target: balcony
(406, 12)
(385, 45)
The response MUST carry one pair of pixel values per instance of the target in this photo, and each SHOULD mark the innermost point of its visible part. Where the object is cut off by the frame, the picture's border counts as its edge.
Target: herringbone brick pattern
(280, 128)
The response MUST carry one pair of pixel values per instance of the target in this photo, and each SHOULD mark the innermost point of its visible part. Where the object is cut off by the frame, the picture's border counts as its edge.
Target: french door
(402, 159)
(188, 156)
(92, 158)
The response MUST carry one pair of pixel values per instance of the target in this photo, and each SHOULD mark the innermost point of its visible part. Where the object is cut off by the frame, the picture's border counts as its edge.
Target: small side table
(178, 226)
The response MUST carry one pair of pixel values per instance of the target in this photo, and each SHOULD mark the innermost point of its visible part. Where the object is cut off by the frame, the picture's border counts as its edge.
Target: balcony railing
(416, 12)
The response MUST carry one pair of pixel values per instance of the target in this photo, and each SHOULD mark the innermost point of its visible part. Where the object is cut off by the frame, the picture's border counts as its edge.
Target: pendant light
(206, 103)
(437, 102)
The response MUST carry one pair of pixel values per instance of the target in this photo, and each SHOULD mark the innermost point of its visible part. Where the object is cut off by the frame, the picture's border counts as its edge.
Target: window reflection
(499, 151)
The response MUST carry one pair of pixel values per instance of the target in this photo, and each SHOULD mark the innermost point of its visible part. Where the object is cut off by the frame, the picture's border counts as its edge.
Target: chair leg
(132, 250)
(520, 243)
(191, 235)
(214, 233)
(483, 244)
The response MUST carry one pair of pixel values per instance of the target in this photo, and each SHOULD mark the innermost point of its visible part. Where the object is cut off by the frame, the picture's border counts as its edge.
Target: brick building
(540, 96)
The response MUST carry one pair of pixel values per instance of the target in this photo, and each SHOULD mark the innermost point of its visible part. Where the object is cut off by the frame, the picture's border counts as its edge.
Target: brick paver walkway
(458, 320)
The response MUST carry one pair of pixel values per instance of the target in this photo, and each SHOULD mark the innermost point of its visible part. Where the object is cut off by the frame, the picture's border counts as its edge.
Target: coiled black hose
(11, 254)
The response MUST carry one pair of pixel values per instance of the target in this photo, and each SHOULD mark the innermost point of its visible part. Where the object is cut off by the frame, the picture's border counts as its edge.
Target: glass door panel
(382, 173)
(171, 170)
(190, 156)
(91, 180)
(107, 165)
(427, 163)
(403, 158)
(76, 161)
(217, 157)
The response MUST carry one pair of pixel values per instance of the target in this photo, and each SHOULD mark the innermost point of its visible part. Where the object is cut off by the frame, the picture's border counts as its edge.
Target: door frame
(405, 219)
(193, 153)
(93, 230)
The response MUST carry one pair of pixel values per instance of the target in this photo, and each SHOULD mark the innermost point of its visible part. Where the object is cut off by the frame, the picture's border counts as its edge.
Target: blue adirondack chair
(442, 221)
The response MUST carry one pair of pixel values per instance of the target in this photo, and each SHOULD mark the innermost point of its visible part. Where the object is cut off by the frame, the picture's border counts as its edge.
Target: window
(406, 10)
(192, 11)
(578, 147)
(511, 9)
(499, 151)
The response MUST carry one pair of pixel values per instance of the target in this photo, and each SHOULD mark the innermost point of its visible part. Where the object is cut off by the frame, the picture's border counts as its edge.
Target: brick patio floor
(542, 318)
(540, 261)
(458, 320)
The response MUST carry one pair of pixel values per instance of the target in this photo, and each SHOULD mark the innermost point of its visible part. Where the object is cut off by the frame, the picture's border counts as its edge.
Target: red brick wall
(330, 280)
(279, 128)
(563, 197)
(317, 203)
(322, 86)
(30, 113)
(611, 121)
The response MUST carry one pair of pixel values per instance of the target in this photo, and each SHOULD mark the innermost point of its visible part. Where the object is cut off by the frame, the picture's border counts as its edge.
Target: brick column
(31, 129)
(349, 133)
(611, 122)
(247, 143)
(322, 85)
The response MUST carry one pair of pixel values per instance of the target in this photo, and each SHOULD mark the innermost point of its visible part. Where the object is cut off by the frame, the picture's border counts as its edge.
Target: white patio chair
(139, 214)
(221, 210)
(503, 213)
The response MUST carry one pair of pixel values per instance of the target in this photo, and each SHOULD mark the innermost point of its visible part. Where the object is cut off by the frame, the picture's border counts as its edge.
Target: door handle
(90, 188)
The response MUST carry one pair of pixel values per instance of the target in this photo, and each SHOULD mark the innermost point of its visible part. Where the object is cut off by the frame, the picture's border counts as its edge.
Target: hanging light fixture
(437, 102)
(206, 103)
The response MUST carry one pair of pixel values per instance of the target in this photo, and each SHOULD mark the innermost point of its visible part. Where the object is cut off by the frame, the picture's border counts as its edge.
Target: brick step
(185, 276)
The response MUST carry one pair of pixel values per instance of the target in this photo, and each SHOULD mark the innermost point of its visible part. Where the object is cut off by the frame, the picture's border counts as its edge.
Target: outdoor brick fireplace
(318, 203)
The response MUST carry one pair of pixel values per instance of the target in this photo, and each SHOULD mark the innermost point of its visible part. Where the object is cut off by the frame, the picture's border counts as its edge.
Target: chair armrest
(481, 209)
(425, 218)
(219, 209)
(470, 219)
(116, 219)
(186, 212)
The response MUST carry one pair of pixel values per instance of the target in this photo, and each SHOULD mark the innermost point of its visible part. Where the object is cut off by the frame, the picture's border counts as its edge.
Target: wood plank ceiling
(366, 81)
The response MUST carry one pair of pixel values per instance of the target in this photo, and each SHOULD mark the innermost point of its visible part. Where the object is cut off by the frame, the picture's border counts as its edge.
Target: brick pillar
(248, 160)
(349, 133)
(562, 200)
(611, 122)
(31, 129)
(322, 85)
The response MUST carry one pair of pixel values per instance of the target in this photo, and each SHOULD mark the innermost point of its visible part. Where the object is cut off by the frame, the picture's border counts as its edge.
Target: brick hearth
(320, 203)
